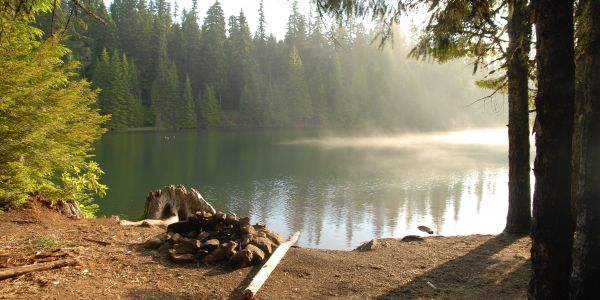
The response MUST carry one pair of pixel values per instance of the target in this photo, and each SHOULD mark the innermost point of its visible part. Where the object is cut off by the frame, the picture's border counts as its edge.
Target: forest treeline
(157, 66)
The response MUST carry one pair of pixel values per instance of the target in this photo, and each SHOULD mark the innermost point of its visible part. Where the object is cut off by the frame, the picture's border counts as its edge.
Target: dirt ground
(464, 267)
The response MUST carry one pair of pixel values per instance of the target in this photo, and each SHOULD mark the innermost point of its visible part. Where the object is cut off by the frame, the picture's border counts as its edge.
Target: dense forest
(157, 66)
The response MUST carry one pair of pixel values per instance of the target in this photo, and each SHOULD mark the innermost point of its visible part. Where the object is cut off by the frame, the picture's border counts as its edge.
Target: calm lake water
(338, 189)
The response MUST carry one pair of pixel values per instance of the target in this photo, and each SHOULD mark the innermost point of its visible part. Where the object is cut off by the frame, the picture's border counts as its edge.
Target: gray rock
(242, 258)
(248, 229)
(215, 256)
(264, 244)
(245, 221)
(257, 254)
(412, 238)
(210, 245)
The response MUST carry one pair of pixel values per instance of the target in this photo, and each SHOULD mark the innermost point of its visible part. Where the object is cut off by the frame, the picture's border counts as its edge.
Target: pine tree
(210, 111)
(187, 115)
(297, 91)
(214, 67)
(47, 122)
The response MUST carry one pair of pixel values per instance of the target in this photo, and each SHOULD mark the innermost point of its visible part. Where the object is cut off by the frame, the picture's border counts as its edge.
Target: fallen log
(269, 266)
(20, 270)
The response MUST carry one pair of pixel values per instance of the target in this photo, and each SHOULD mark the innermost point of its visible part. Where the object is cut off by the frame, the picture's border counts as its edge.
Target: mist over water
(339, 189)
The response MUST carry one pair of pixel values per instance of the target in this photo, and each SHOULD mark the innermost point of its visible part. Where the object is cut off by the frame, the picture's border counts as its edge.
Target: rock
(203, 235)
(425, 229)
(371, 245)
(264, 244)
(245, 240)
(180, 258)
(175, 238)
(164, 247)
(275, 237)
(210, 245)
(220, 216)
(215, 256)
(242, 258)
(412, 238)
(231, 218)
(146, 224)
(204, 215)
(153, 243)
(257, 254)
(191, 234)
(187, 246)
(245, 221)
(260, 226)
(184, 227)
(248, 229)
(229, 248)
(261, 234)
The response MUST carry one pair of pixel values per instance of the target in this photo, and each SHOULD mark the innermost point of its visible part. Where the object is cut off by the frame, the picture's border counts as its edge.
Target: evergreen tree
(213, 65)
(297, 91)
(210, 111)
(187, 115)
(47, 122)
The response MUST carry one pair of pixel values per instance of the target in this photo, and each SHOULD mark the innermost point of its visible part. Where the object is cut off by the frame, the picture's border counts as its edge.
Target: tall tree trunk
(552, 224)
(585, 278)
(518, 219)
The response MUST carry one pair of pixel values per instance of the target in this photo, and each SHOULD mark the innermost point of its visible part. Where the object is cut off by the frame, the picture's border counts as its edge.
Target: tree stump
(175, 201)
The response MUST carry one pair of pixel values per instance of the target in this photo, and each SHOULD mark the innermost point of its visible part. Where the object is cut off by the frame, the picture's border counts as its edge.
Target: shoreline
(114, 265)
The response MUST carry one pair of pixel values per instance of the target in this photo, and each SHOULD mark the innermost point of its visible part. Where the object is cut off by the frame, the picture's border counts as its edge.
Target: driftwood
(20, 270)
(172, 204)
(269, 266)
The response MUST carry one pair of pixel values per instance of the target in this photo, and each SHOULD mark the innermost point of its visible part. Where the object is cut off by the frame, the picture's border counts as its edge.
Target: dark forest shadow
(475, 275)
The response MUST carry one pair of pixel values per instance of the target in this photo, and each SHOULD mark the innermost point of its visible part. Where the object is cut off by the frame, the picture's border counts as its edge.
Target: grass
(45, 242)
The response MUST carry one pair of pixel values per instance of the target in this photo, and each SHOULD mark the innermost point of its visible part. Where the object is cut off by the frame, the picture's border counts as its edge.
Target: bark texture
(552, 224)
(175, 201)
(518, 219)
(585, 278)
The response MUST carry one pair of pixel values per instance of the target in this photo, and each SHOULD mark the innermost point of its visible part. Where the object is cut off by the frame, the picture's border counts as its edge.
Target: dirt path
(469, 267)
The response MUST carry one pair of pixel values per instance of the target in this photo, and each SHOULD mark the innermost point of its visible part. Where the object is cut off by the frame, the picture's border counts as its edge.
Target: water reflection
(339, 191)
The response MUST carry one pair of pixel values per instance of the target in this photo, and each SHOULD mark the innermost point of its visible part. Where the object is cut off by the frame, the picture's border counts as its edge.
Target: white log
(269, 266)
(161, 223)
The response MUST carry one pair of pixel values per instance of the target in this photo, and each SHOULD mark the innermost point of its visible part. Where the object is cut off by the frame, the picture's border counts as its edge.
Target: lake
(339, 189)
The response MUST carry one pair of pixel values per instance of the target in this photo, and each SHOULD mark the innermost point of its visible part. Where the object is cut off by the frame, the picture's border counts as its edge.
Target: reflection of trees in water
(352, 192)
(347, 205)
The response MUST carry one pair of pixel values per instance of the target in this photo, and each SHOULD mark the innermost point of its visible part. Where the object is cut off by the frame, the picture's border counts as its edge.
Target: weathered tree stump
(69, 208)
(172, 204)
(177, 201)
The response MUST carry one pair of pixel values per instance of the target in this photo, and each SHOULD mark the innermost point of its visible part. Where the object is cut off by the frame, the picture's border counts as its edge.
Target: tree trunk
(518, 219)
(585, 278)
(552, 224)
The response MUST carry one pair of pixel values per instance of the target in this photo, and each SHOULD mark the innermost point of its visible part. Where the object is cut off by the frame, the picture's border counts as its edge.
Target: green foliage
(81, 185)
(47, 117)
(45, 242)
(209, 110)
(187, 115)
(306, 79)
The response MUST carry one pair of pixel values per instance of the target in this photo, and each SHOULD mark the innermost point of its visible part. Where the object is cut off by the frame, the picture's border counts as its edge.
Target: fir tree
(187, 115)
(47, 122)
(210, 111)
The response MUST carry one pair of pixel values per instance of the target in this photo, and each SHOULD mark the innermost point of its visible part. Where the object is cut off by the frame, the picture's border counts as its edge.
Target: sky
(276, 12)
